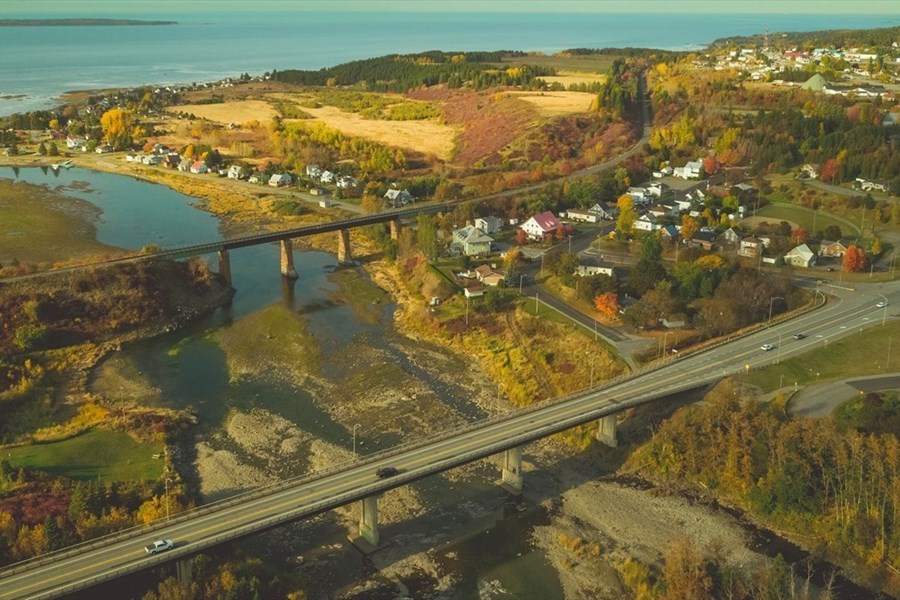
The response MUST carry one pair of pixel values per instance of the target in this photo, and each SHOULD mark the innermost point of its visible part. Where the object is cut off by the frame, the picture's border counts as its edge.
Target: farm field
(558, 103)
(239, 111)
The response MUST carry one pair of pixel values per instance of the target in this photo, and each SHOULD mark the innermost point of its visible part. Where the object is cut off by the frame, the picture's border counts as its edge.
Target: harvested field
(568, 78)
(241, 111)
(558, 103)
(428, 137)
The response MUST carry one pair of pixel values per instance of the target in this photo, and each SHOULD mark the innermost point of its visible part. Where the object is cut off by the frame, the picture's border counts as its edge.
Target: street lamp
(773, 298)
(354, 438)
(883, 309)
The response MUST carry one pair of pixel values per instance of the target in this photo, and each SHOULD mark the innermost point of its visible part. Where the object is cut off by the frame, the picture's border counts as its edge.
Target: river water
(188, 368)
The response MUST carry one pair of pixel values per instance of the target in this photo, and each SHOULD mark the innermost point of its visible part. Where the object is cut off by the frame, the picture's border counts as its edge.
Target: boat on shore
(66, 164)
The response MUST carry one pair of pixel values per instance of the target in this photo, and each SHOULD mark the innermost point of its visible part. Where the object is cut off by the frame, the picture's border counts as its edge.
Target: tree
(607, 305)
(426, 236)
(685, 572)
(689, 226)
(627, 216)
(116, 122)
(855, 259)
(521, 237)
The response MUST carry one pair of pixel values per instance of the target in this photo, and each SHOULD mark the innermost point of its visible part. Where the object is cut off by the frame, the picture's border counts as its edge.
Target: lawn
(96, 454)
(856, 355)
(806, 218)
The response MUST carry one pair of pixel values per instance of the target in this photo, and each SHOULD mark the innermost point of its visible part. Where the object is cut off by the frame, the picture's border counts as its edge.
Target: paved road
(820, 399)
(64, 571)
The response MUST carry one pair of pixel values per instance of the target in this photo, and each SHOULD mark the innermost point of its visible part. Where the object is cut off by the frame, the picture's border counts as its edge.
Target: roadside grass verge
(805, 218)
(96, 454)
(856, 355)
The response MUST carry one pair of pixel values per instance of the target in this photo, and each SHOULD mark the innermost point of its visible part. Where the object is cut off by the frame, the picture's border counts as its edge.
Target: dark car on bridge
(384, 472)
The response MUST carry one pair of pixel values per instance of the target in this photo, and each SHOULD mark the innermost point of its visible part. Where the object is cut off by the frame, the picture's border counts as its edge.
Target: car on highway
(799, 336)
(159, 546)
(766, 347)
(881, 304)
(385, 472)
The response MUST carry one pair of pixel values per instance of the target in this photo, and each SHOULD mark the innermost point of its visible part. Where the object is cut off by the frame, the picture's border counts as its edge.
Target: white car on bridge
(159, 546)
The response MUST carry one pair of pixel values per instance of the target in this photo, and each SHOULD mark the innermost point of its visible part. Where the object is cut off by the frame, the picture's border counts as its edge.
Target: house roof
(471, 235)
(547, 221)
(393, 194)
(487, 271)
(802, 251)
(705, 236)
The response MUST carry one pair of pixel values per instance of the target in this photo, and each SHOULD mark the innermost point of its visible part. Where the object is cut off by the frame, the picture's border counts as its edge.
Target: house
(801, 256)
(171, 160)
(152, 159)
(471, 241)
(488, 276)
(489, 225)
(103, 149)
(639, 196)
(668, 232)
(691, 170)
(606, 211)
(834, 249)
(591, 264)
(809, 170)
(76, 143)
(185, 165)
(731, 237)
(313, 171)
(870, 186)
(540, 226)
(132, 157)
(199, 167)
(705, 239)
(584, 216)
(236, 172)
(317, 191)
(397, 198)
(280, 179)
(345, 182)
(326, 177)
(160, 149)
(647, 222)
(253, 179)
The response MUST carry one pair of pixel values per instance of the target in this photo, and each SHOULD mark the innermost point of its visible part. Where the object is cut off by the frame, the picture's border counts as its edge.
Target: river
(190, 369)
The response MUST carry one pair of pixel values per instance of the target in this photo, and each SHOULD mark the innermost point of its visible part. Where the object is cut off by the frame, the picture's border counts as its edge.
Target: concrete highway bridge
(80, 567)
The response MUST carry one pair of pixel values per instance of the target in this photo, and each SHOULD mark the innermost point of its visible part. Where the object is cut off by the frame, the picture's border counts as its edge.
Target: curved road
(77, 568)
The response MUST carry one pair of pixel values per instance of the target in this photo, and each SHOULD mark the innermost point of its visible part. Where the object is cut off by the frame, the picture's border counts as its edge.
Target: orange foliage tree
(855, 259)
(607, 304)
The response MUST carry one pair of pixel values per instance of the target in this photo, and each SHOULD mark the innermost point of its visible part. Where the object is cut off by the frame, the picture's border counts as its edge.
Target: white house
(489, 225)
(280, 179)
(345, 182)
(689, 171)
(199, 167)
(75, 142)
(647, 222)
(590, 264)
(606, 211)
(584, 216)
(326, 177)
(542, 225)
(801, 256)
(313, 171)
(397, 198)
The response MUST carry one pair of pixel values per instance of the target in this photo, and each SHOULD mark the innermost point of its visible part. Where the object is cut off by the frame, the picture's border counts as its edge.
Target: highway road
(846, 313)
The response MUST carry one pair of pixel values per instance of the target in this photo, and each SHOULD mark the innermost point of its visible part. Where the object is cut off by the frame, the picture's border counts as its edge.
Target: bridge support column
(606, 431)
(511, 474)
(184, 570)
(395, 229)
(287, 260)
(368, 520)
(225, 266)
(344, 253)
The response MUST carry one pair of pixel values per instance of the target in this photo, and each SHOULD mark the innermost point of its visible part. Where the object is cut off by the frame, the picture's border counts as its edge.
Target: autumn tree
(689, 226)
(685, 572)
(627, 216)
(855, 259)
(607, 304)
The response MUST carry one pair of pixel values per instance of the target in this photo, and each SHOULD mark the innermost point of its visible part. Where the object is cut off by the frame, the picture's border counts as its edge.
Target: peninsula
(77, 22)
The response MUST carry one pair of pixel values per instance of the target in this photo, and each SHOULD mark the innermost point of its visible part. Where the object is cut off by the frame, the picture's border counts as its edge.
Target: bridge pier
(606, 430)
(344, 253)
(511, 475)
(225, 266)
(395, 229)
(287, 260)
(368, 520)
(184, 570)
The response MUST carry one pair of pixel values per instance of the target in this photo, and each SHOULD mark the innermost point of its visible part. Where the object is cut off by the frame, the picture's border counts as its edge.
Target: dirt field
(558, 103)
(241, 111)
(428, 137)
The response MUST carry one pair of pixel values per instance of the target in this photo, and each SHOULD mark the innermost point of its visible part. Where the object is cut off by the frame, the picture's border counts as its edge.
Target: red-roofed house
(540, 226)
(199, 167)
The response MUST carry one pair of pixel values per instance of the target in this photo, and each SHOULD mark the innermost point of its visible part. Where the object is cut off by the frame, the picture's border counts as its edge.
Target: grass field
(39, 225)
(558, 103)
(96, 454)
(836, 360)
(584, 64)
(810, 220)
(240, 111)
